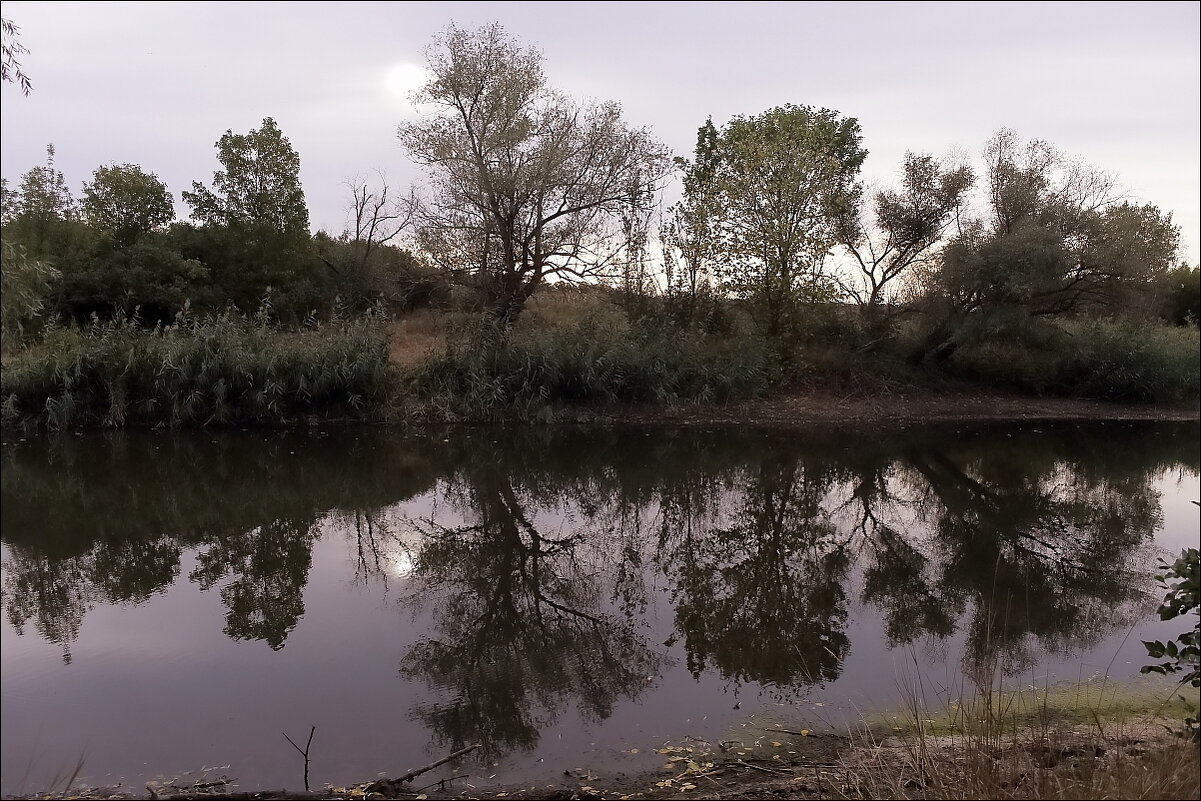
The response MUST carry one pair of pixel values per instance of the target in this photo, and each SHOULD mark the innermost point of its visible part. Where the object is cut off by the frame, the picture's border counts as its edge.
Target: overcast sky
(157, 84)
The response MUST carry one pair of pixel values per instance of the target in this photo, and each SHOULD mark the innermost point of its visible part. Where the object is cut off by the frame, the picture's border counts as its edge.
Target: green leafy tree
(125, 202)
(525, 183)
(780, 182)
(689, 232)
(42, 210)
(258, 187)
(254, 220)
(1054, 240)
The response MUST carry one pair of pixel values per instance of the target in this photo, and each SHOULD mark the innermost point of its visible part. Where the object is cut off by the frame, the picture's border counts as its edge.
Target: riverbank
(1137, 759)
(824, 406)
(567, 363)
(1094, 739)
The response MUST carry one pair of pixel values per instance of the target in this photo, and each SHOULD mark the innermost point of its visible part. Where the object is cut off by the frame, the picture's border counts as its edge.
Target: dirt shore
(825, 407)
(796, 766)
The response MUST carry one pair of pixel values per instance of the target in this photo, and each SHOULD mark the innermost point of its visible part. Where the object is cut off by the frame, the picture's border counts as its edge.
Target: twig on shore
(765, 770)
(413, 774)
(304, 753)
(441, 783)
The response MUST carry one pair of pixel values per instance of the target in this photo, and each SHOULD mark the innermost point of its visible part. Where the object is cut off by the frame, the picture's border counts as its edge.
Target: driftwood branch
(413, 774)
(388, 786)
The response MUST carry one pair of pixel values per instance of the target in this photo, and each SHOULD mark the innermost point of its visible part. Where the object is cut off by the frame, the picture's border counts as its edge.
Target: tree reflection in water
(522, 625)
(535, 571)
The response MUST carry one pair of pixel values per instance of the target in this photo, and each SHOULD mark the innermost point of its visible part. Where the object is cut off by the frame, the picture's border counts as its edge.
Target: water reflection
(519, 624)
(532, 552)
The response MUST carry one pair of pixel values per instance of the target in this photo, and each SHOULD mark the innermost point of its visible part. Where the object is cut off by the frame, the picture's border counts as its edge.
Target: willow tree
(901, 228)
(1055, 238)
(525, 183)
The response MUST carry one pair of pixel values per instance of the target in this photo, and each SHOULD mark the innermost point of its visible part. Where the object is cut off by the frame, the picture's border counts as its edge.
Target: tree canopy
(126, 202)
(258, 185)
(525, 182)
(776, 185)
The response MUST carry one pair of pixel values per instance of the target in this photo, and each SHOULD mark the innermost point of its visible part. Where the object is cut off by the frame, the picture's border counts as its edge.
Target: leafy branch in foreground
(1182, 580)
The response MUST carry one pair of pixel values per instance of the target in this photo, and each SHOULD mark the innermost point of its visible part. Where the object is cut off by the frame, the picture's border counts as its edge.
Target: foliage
(39, 212)
(361, 277)
(526, 184)
(24, 283)
(10, 48)
(1182, 580)
(777, 184)
(254, 224)
(487, 371)
(125, 202)
(1054, 241)
(1182, 295)
(258, 185)
(199, 370)
(149, 275)
(689, 232)
(1118, 360)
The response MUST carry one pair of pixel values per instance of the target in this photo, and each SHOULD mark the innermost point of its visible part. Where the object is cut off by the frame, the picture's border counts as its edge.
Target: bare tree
(375, 219)
(525, 183)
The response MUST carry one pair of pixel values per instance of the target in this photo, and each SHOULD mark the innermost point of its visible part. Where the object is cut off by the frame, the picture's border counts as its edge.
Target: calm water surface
(174, 601)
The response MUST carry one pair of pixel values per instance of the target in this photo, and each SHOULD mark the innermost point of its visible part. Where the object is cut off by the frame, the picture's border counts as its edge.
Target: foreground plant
(1182, 580)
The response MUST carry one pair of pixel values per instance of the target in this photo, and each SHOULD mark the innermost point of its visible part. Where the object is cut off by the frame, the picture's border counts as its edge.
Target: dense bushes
(1119, 360)
(484, 371)
(201, 369)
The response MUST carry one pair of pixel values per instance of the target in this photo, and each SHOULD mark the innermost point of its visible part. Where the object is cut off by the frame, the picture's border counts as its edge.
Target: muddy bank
(791, 765)
(910, 407)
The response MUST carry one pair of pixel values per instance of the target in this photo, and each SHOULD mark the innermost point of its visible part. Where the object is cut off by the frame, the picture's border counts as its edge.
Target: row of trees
(527, 186)
(117, 246)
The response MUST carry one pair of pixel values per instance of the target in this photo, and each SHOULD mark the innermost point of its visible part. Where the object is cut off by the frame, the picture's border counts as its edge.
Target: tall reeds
(225, 368)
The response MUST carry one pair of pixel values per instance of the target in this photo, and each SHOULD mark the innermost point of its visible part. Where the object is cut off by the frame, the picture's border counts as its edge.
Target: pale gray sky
(158, 83)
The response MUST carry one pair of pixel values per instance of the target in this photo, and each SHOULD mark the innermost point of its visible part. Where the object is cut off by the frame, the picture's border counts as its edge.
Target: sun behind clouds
(403, 80)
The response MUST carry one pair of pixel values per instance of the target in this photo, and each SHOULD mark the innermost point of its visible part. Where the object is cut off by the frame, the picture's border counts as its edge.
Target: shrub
(225, 368)
(1182, 580)
(1109, 360)
(1126, 360)
(485, 371)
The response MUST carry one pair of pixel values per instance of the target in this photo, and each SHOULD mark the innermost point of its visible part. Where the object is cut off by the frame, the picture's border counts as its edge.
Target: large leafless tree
(525, 183)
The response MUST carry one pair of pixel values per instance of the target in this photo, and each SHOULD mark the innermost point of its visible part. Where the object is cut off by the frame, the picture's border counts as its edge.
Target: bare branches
(374, 218)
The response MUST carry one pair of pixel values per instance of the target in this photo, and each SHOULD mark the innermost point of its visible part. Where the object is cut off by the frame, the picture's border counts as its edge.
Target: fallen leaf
(777, 743)
(804, 732)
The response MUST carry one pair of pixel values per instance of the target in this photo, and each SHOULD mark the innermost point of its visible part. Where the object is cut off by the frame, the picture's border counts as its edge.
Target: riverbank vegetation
(541, 264)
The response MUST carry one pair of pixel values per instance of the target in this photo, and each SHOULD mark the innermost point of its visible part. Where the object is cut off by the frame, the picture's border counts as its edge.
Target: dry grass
(413, 337)
(1142, 761)
(1090, 740)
